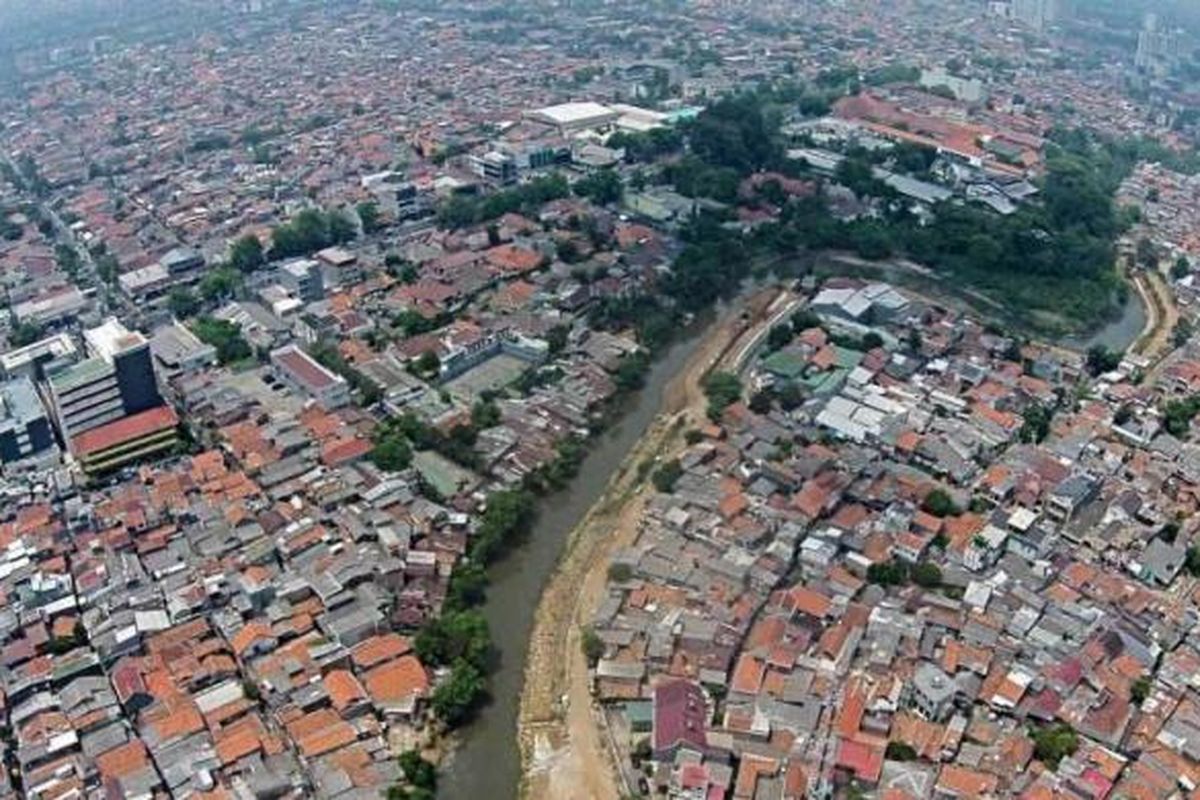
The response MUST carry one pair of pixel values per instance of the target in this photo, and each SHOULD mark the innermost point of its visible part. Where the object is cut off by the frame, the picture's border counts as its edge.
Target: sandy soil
(1162, 315)
(564, 752)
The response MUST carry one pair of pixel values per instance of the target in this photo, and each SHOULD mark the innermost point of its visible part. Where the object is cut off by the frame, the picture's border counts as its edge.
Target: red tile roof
(397, 680)
(511, 258)
(680, 715)
(124, 430)
(865, 761)
(304, 369)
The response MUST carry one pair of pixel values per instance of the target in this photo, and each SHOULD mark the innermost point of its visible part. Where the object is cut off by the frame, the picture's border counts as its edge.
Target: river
(487, 762)
(1118, 334)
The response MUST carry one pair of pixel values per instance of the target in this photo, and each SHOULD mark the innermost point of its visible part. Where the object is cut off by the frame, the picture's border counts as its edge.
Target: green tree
(468, 586)
(398, 792)
(108, 268)
(939, 503)
(456, 700)
(368, 216)
(527, 198)
(1181, 268)
(642, 147)
(558, 337)
(631, 371)
(506, 518)
(737, 132)
(222, 282)
(1036, 425)
(247, 255)
(1178, 415)
(413, 323)
(856, 173)
(1100, 360)
(761, 401)
(25, 333)
(593, 646)
(779, 337)
(458, 636)
(1147, 253)
(1053, 743)
(1181, 334)
(391, 452)
(68, 259)
(420, 773)
(1191, 561)
(804, 320)
(485, 414)
(458, 212)
(603, 187)
(427, 364)
(927, 575)
(183, 303)
(789, 396)
(225, 336)
(913, 159)
(341, 229)
(888, 573)
(667, 475)
(899, 751)
(1140, 690)
(568, 252)
(619, 572)
(722, 389)
(310, 231)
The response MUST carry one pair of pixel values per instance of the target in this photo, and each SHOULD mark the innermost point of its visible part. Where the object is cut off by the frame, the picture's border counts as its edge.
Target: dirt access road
(1162, 314)
(564, 752)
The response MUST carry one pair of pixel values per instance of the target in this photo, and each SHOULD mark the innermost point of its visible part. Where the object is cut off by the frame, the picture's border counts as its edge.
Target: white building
(571, 118)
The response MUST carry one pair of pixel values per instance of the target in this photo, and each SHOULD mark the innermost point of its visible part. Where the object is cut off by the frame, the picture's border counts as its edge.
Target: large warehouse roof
(574, 113)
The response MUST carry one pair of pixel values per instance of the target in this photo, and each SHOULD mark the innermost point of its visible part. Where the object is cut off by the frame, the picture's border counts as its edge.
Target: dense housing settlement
(306, 305)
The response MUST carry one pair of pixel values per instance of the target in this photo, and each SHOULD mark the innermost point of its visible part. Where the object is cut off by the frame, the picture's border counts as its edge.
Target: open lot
(495, 373)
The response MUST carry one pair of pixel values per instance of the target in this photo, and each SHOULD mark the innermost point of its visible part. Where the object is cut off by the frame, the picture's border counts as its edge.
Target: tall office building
(24, 425)
(1036, 14)
(1158, 49)
(115, 381)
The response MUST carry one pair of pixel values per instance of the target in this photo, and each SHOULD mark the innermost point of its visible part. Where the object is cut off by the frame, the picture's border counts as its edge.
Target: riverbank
(1155, 339)
(1117, 333)
(484, 759)
(562, 738)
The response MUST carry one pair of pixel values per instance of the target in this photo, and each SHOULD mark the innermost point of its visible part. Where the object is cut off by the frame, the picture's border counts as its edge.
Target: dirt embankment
(564, 753)
(1162, 315)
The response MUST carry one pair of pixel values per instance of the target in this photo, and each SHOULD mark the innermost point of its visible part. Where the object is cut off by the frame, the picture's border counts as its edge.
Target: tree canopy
(309, 231)
(602, 187)
(736, 132)
(225, 337)
(247, 254)
(723, 389)
(460, 211)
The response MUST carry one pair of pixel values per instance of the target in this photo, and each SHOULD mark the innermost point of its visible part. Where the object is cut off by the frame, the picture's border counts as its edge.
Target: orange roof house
(378, 649)
(345, 691)
(956, 781)
(396, 687)
(509, 258)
